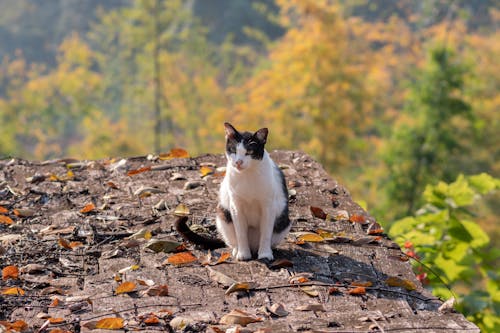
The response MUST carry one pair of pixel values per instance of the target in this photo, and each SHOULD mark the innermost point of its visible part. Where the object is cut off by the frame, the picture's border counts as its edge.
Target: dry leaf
(375, 229)
(151, 320)
(18, 325)
(3, 210)
(64, 243)
(240, 286)
(219, 277)
(310, 290)
(206, 170)
(5, 219)
(10, 272)
(161, 290)
(238, 317)
(13, 291)
(357, 291)
(137, 171)
(223, 257)
(174, 153)
(310, 237)
(88, 208)
(125, 287)
(110, 323)
(333, 290)
(362, 283)
(318, 212)
(55, 302)
(181, 258)
(181, 210)
(56, 320)
(281, 263)
(112, 185)
(300, 278)
(357, 218)
(278, 310)
(58, 330)
(311, 307)
(166, 246)
(24, 212)
(324, 233)
(395, 281)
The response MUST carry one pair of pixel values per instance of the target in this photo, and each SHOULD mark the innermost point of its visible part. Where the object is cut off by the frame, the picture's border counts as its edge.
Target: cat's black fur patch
(224, 214)
(282, 221)
(251, 142)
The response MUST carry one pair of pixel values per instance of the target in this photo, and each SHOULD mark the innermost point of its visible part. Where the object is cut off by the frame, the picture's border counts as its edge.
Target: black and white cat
(252, 215)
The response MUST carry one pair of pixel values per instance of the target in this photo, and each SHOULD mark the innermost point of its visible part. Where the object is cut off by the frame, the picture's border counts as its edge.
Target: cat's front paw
(243, 255)
(266, 255)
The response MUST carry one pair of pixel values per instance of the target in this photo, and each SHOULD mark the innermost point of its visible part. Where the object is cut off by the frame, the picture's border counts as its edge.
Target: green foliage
(423, 151)
(455, 248)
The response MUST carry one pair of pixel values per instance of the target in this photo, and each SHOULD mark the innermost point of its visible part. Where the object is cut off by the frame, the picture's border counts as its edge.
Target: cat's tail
(189, 235)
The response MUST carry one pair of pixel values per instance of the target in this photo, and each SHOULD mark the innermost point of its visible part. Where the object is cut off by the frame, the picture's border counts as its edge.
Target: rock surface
(80, 229)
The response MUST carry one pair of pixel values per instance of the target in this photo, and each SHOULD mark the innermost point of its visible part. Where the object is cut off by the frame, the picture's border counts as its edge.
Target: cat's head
(244, 149)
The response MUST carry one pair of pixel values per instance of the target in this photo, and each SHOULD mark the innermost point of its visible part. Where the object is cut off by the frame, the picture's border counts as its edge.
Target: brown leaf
(24, 212)
(357, 291)
(58, 330)
(181, 258)
(375, 229)
(88, 208)
(56, 320)
(238, 317)
(311, 307)
(55, 302)
(137, 171)
(223, 257)
(74, 245)
(395, 281)
(151, 320)
(333, 290)
(64, 243)
(362, 283)
(174, 153)
(357, 218)
(219, 277)
(318, 212)
(3, 210)
(112, 185)
(18, 325)
(161, 290)
(13, 291)
(281, 263)
(240, 286)
(278, 310)
(10, 272)
(5, 219)
(310, 290)
(125, 287)
(111, 323)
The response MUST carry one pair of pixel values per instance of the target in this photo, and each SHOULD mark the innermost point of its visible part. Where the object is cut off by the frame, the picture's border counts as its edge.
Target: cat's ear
(261, 135)
(231, 132)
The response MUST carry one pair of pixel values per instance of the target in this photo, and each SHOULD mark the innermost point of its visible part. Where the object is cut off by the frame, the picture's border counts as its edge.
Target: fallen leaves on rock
(239, 317)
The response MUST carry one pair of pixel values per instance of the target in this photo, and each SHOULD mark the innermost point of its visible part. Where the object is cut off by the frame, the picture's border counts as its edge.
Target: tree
(432, 137)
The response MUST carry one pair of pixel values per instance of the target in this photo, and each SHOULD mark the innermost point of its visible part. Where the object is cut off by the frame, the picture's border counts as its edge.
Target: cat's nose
(239, 163)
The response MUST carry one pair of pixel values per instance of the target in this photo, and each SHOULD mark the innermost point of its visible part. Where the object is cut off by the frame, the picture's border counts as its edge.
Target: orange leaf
(181, 258)
(223, 257)
(161, 290)
(13, 291)
(5, 219)
(56, 320)
(10, 272)
(74, 245)
(205, 171)
(112, 185)
(3, 210)
(333, 290)
(174, 153)
(357, 291)
(357, 218)
(362, 283)
(318, 212)
(54, 303)
(151, 320)
(126, 287)
(58, 330)
(310, 237)
(18, 326)
(88, 208)
(137, 171)
(111, 323)
(64, 243)
(395, 281)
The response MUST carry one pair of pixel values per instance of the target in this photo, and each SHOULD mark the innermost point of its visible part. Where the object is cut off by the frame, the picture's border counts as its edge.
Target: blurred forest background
(390, 96)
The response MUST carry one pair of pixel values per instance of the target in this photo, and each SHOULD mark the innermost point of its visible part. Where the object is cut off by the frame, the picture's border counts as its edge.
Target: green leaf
(484, 183)
(479, 237)
(457, 230)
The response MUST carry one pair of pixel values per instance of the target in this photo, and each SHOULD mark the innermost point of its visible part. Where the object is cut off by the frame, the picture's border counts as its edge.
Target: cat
(252, 214)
